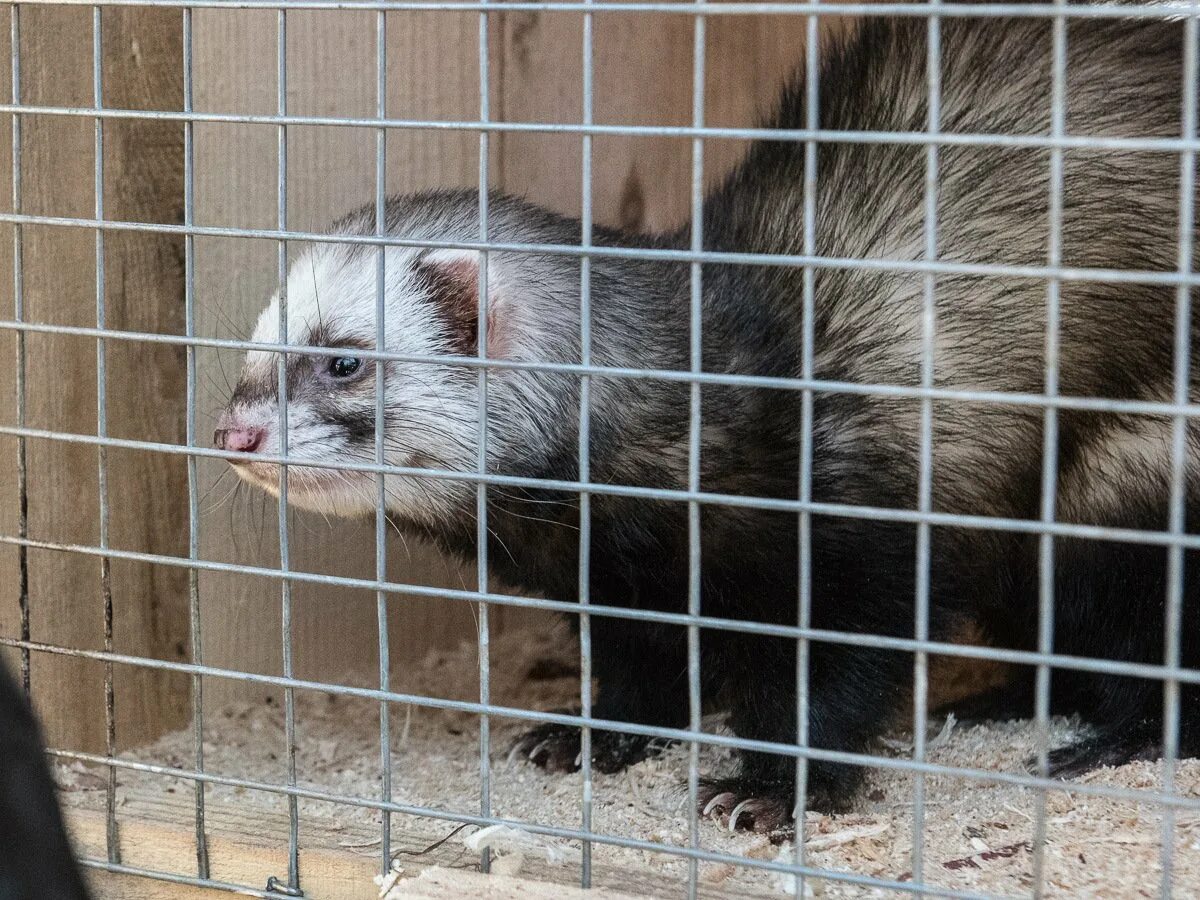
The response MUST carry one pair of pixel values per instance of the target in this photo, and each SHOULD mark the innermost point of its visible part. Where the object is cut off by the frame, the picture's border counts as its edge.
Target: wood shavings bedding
(977, 837)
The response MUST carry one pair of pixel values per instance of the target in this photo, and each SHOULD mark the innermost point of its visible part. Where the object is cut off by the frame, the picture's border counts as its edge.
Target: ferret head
(431, 410)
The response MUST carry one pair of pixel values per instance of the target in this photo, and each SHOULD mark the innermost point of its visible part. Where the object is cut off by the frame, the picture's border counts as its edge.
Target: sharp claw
(512, 754)
(579, 759)
(537, 751)
(718, 800)
(737, 810)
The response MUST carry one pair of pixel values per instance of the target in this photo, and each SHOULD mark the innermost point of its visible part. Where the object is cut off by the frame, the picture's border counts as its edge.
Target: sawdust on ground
(978, 837)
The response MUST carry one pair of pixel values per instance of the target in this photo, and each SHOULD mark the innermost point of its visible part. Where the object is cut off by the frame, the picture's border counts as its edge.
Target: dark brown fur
(1120, 211)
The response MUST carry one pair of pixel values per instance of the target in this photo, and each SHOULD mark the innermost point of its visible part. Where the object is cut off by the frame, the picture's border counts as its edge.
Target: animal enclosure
(244, 699)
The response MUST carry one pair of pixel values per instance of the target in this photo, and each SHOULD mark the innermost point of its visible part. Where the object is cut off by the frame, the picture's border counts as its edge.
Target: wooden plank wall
(643, 75)
(143, 291)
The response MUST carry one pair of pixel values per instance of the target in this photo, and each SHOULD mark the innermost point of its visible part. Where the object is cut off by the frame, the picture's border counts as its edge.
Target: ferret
(36, 860)
(1120, 210)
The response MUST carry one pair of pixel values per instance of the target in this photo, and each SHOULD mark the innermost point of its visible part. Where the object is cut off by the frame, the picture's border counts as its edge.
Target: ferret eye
(344, 366)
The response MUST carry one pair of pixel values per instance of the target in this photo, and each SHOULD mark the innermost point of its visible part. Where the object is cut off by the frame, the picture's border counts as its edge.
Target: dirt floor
(978, 837)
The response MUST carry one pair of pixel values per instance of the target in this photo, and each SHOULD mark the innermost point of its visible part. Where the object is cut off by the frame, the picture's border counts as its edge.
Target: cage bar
(1049, 448)
(19, 317)
(812, 75)
(195, 625)
(381, 518)
(1177, 513)
(1169, 10)
(292, 886)
(1103, 276)
(492, 130)
(481, 509)
(585, 435)
(803, 135)
(671, 734)
(699, 53)
(966, 651)
(106, 596)
(933, 65)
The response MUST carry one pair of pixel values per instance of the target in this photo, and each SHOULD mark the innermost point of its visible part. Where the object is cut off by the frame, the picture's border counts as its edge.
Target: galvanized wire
(1177, 513)
(289, 701)
(1175, 540)
(1049, 475)
(933, 65)
(483, 615)
(695, 598)
(19, 317)
(195, 632)
(668, 734)
(1015, 398)
(812, 71)
(796, 135)
(854, 639)
(1169, 10)
(585, 436)
(381, 506)
(112, 843)
(1100, 276)
(846, 510)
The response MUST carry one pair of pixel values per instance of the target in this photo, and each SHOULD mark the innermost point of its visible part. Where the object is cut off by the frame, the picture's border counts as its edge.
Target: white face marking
(430, 408)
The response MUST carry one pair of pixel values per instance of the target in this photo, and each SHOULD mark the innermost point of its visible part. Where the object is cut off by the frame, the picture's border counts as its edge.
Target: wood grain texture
(244, 849)
(145, 385)
(338, 860)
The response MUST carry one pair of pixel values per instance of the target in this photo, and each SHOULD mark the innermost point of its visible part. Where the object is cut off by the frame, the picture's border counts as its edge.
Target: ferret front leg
(852, 692)
(640, 671)
(862, 582)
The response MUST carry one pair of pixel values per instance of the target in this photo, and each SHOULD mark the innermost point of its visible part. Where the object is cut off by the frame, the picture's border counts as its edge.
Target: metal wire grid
(804, 531)
(385, 745)
(700, 36)
(1183, 310)
(481, 510)
(585, 431)
(1175, 540)
(1045, 640)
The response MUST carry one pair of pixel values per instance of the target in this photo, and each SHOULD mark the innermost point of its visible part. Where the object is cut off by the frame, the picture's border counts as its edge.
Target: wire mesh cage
(249, 698)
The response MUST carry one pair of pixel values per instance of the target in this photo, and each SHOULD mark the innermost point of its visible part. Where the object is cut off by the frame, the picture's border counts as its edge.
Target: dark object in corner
(36, 861)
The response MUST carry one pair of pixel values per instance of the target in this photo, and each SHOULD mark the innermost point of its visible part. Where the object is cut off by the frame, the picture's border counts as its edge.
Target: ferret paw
(558, 748)
(767, 803)
(552, 747)
(743, 806)
(1101, 750)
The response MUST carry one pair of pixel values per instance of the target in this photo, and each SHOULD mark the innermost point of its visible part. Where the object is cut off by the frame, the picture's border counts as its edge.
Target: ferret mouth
(301, 480)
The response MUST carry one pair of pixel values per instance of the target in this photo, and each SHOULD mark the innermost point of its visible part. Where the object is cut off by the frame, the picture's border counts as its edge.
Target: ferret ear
(452, 279)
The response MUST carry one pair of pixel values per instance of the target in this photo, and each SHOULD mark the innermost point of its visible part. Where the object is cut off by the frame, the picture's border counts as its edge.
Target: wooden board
(145, 384)
(338, 861)
(244, 849)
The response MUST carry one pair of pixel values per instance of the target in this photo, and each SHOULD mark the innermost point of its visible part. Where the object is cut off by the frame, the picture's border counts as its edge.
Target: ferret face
(430, 418)
(430, 410)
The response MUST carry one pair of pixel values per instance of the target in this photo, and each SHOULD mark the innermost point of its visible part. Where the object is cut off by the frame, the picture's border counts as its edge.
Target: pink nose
(239, 440)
